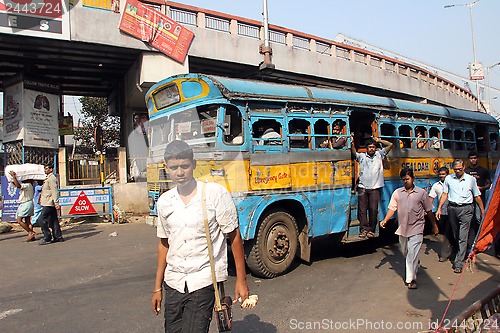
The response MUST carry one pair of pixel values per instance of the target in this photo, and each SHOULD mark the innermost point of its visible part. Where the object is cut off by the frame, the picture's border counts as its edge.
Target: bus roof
(233, 88)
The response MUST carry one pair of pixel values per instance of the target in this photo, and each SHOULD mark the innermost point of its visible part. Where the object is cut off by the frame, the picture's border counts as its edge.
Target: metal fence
(85, 171)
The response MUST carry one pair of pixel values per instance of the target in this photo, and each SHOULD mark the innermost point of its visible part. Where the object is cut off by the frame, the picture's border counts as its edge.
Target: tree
(95, 112)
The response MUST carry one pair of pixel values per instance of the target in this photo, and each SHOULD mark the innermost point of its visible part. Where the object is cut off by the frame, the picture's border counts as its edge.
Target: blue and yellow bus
(265, 143)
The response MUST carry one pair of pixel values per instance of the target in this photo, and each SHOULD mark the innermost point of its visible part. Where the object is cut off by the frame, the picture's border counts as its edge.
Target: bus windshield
(196, 126)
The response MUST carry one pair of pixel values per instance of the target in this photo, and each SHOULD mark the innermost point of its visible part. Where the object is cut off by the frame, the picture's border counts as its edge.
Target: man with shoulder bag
(193, 221)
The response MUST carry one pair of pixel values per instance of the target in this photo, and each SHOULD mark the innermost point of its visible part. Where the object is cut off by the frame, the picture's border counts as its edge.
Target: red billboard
(156, 29)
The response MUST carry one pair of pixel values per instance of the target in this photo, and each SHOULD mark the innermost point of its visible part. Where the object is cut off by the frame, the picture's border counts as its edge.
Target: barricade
(84, 201)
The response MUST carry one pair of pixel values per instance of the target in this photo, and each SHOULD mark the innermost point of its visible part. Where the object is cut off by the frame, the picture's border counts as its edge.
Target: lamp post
(489, 82)
(470, 5)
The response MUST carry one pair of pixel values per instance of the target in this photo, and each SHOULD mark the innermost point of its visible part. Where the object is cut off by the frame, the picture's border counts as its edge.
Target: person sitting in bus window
(337, 141)
(298, 141)
(270, 133)
(493, 144)
(435, 143)
(421, 141)
(469, 144)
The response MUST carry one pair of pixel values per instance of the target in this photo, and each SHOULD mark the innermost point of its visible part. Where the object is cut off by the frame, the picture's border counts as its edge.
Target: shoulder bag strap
(210, 250)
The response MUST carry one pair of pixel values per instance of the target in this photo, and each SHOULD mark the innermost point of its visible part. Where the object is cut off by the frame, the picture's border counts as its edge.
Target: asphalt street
(101, 278)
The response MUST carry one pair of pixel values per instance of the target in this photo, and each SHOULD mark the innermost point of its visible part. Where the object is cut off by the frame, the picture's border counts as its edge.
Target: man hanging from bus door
(370, 183)
(411, 202)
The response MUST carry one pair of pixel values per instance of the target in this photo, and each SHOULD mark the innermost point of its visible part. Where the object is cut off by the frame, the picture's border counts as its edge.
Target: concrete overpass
(95, 59)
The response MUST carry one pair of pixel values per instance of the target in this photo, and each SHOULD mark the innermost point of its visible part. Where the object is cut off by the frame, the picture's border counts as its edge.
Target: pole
(265, 49)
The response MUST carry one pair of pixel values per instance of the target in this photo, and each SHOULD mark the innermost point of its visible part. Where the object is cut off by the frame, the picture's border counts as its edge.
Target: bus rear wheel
(273, 250)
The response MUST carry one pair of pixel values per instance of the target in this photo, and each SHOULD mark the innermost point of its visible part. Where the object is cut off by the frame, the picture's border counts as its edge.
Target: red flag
(491, 221)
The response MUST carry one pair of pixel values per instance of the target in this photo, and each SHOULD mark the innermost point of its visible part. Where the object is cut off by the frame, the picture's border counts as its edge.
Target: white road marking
(7, 313)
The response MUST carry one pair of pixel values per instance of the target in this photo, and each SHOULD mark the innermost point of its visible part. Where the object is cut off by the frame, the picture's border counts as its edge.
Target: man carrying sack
(183, 256)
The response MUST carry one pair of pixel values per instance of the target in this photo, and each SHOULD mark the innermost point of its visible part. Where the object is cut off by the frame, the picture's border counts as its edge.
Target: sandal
(30, 238)
(412, 285)
(370, 234)
(363, 234)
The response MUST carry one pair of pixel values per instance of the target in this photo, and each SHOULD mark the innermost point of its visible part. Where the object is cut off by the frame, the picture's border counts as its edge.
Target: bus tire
(273, 250)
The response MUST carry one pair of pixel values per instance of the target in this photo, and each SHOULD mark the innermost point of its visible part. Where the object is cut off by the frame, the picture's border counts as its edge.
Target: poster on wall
(38, 18)
(156, 29)
(12, 117)
(10, 195)
(41, 122)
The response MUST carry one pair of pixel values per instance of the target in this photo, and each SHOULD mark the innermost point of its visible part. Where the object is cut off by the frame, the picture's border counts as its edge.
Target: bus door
(364, 127)
(269, 164)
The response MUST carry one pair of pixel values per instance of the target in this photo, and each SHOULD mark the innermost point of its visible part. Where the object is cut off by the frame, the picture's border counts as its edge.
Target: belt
(452, 204)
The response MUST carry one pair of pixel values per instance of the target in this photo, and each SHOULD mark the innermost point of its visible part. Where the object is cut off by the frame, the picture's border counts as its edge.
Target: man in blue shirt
(460, 189)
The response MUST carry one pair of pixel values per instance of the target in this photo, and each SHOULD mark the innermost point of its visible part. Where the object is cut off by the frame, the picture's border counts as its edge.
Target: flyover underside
(81, 69)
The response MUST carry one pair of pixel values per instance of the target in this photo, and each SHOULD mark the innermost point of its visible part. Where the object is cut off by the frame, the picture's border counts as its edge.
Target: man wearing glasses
(460, 189)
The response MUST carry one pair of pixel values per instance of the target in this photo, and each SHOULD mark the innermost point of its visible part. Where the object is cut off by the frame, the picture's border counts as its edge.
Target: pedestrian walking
(49, 200)
(183, 257)
(460, 189)
(411, 202)
(26, 207)
(447, 242)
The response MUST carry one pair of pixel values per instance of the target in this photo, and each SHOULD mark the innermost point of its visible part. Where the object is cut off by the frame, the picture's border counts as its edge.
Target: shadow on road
(83, 231)
(251, 324)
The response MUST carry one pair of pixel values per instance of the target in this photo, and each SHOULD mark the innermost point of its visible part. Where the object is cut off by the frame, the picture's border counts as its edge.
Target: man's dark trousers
(49, 220)
(368, 200)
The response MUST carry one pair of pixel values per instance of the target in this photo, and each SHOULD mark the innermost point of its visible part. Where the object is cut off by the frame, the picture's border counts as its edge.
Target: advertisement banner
(66, 125)
(40, 119)
(12, 116)
(10, 195)
(156, 29)
(39, 18)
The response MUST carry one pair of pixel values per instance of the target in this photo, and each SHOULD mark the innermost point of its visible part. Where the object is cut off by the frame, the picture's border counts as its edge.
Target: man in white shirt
(371, 180)
(25, 210)
(460, 189)
(183, 262)
(444, 225)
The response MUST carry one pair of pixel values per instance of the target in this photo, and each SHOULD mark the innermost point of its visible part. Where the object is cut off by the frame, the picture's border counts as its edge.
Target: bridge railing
(208, 19)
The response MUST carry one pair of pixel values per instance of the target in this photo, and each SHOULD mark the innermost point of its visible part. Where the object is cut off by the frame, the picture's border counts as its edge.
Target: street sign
(82, 205)
(476, 71)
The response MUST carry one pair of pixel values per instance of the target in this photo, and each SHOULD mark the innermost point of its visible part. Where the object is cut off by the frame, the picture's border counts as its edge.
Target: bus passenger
(337, 141)
(371, 180)
(269, 133)
(410, 202)
(421, 141)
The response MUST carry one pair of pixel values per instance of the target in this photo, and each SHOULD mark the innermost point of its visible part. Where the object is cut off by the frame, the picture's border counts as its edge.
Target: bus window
(435, 143)
(458, 138)
(321, 133)
(469, 141)
(481, 134)
(420, 137)
(298, 133)
(404, 137)
(388, 132)
(233, 126)
(196, 126)
(493, 141)
(446, 138)
(268, 132)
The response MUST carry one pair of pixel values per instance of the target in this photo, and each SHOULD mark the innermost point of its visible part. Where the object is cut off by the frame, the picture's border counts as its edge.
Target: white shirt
(183, 225)
(371, 169)
(436, 191)
(461, 191)
(26, 193)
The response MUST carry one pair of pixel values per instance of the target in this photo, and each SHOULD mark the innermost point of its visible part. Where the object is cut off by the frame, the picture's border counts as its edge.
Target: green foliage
(95, 112)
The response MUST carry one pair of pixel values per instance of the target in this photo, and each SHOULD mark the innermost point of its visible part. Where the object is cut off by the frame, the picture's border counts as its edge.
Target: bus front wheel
(273, 250)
